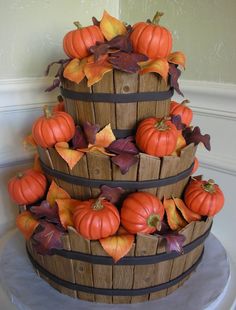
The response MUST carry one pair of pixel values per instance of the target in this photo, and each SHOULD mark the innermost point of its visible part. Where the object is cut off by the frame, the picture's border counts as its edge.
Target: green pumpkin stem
(209, 186)
(60, 98)
(154, 221)
(98, 204)
(157, 18)
(47, 112)
(184, 102)
(78, 25)
(161, 125)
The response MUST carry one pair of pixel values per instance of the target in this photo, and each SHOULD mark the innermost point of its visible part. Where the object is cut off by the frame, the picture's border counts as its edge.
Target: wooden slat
(125, 112)
(163, 106)
(131, 175)
(143, 274)
(149, 169)
(70, 104)
(123, 279)
(82, 270)
(102, 274)
(105, 111)
(99, 167)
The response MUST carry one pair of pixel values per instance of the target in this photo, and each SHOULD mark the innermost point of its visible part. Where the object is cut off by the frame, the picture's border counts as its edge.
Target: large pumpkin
(27, 187)
(183, 110)
(141, 212)
(49, 129)
(204, 197)
(156, 136)
(96, 219)
(151, 39)
(76, 43)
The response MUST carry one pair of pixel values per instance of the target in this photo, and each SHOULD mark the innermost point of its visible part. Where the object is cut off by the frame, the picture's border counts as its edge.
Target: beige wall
(203, 29)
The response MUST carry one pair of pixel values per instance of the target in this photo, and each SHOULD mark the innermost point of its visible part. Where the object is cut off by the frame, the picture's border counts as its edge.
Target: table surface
(227, 301)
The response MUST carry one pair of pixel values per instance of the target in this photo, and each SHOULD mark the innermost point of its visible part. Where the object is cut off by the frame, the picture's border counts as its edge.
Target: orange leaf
(66, 209)
(29, 142)
(188, 214)
(159, 66)
(26, 223)
(96, 148)
(177, 58)
(119, 245)
(111, 26)
(105, 136)
(174, 219)
(181, 143)
(69, 155)
(55, 192)
(94, 71)
(74, 71)
(37, 165)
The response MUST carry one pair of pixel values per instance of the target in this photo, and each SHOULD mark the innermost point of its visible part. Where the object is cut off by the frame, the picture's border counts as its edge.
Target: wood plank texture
(163, 106)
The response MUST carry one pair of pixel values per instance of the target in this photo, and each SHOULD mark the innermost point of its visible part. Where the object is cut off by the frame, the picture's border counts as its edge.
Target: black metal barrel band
(114, 292)
(117, 98)
(116, 183)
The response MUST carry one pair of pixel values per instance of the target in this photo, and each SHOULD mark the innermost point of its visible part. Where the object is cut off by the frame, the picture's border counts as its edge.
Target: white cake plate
(27, 291)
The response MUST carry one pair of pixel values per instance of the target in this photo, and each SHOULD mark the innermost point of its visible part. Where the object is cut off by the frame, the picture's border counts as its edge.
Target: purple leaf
(46, 211)
(124, 161)
(99, 49)
(174, 242)
(79, 139)
(127, 62)
(175, 73)
(55, 84)
(195, 136)
(123, 146)
(90, 131)
(122, 43)
(176, 120)
(95, 21)
(47, 238)
(112, 194)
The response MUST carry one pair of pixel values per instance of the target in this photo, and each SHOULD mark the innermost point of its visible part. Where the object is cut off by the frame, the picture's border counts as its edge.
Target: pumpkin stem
(154, 221)
(209, 186)
(184, 102)
(60, 98)
(78, 25)
(47, 112)
(19, 175)
(161, 125)
(98, 204)
(157, 17)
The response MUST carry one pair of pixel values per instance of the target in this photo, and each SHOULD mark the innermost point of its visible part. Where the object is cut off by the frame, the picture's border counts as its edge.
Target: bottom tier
(83, 270)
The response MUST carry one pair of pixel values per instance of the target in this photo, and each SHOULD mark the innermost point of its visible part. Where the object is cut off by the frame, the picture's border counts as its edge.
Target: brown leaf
(175, 73)
(127, 62)
(112, 194)
(124, 161)
(195, 136)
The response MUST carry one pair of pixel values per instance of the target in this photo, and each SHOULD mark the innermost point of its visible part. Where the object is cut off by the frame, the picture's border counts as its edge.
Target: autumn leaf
(121, 43)
(29, 143)
(79, 139)
(36, 165)
(111, 194)
(119, 245)
(70, 156)
(26, 223)
(159, 66)
(65, 210)
(174, 242)
(111, 26)
(44, 210)
(96, 149)
(175, 221)
(105, 136)
(176, 120)
(99, 49)
(195, 136)
(124, 145)
(187, 214)
(124, 161)
(55, 192)
(175, 73)
(90, 131)
(127, 62)
(74, 70)
(177, 58)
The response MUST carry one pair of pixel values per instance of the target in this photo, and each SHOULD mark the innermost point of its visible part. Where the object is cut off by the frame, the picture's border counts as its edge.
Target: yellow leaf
(119, 245)
(95, 148)
(105, 136)
(174, 219)
(74, 71)
(159, 66)
(177, 58)
(56, 192)
(65, 210)
(27, 224)
(29, 143)
(111, 26)
(69, 155)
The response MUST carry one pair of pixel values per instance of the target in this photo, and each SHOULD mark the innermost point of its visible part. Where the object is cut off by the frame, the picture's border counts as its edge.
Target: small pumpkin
(141, 212)
(76, 43)
(156, 136)
(27, 187)
(183, 110)
(151, 39)
(54, 127)
(204, 197)
(96, 219)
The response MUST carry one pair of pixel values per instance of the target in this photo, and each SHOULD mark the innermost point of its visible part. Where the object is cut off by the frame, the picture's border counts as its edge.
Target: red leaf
(122, 43)
(99, 49)
(79, 139)
(90, 131)
(124, 161)
(48, 238)
(175, 73)
(127, 62)
(123, 146)
(112, 194)
(46, 211)
(195, 136)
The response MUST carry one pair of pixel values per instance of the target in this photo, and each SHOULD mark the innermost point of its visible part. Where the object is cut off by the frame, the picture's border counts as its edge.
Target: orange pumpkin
(96, 219)
(76, 43)
(156, 136)
(195, 166)
(180, 144)
(151, 39)
(204, 197)
(27, 187)
(181, 109)
(141, 212)
(52, 128)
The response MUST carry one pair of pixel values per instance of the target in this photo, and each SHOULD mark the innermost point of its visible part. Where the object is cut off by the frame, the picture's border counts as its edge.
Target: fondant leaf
(124, 145)
(181, 143)
(187, 214)
(174, 242)
(195, 136)
(111, 26)
(124, 161)
(111, 194)
(159, 66)
(127, 62)
(177, 58)
(26, 223)
(74, 70)
(79, 139)
(37, 165)
(119, 245)
(174, 219)
(65, 210)
(100, 49)
(176, 120)
(121, 43)
(95, 148)
(175, 73)
(29, 143)
(105, 136)
(90, 131)
(56, 192)
(70, 156)
(44, 210)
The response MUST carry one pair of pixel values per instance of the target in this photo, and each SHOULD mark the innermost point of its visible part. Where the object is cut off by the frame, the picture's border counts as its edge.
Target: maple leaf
(90, 131)
(195, 136)
(112, 194)
(124, 161)
(47, 238)
(99, 49)
(79, 139)
(175, 73)
(44, 210)
(56, 192)
(124, 145)
(105, 136)
(122, 43)
(176, 120)
(127, 62)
